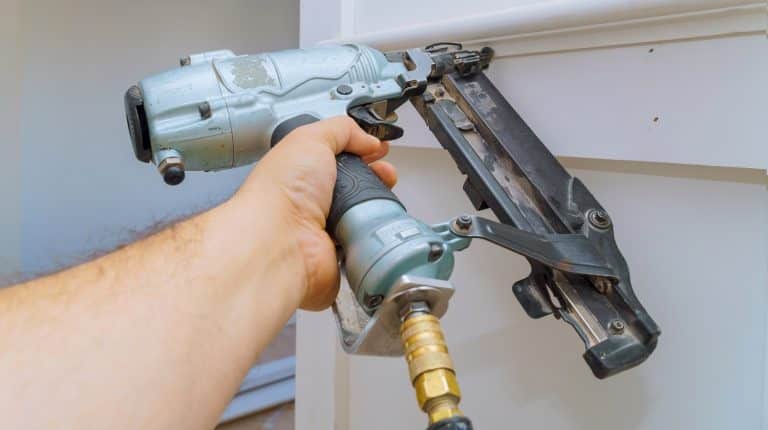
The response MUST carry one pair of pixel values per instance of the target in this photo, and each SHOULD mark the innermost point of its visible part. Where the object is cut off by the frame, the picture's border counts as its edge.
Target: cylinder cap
(173, 175)
(137, 124)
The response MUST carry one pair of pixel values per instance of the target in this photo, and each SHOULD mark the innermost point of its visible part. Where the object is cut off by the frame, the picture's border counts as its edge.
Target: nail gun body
(221, 111)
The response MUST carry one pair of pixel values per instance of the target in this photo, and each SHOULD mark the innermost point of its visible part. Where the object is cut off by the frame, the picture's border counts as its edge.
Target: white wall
(695, 241)
(589, 77)
(673, 67)
(656, 102)
(81, 188)
(371, 16)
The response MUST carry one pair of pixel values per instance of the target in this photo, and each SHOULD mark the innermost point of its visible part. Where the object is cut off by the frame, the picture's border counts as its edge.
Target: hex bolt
(205, 110)
(617, 326)
(373, 302)
(576, 221)
(464, 222)
(185, 61)
(435, 252)
(414, 307)
(599, 219)
(344, 89)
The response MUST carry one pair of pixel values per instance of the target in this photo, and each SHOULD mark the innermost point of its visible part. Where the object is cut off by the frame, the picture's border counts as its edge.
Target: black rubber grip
(355, 183)
(289, 125)
(455, 423)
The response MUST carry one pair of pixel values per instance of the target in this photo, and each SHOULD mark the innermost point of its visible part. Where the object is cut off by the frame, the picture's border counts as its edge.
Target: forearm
(175, 319)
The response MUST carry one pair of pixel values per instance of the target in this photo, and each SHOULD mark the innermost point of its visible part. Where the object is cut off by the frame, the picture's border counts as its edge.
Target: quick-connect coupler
(431, 368)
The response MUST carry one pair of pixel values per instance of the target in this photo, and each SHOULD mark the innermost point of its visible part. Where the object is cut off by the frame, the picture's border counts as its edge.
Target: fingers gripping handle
(355, 183)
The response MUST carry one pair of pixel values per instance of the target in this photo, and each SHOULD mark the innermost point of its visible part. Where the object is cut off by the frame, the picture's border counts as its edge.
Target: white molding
(726, 22)
(265, 386)
(268, 373)
(260, 399)
(320, 400)
(341, 389)
(565, 25)
(764, 424)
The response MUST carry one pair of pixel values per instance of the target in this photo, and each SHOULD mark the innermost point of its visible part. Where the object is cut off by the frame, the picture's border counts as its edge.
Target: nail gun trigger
(384, 129)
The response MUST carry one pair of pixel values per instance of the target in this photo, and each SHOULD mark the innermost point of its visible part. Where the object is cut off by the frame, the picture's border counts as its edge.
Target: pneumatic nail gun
(220, 110)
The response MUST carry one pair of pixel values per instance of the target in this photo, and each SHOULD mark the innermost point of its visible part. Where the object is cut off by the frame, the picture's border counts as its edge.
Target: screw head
(599, 219)
(344, 89)
(205, 110)
(616, 326)
(464, 222)
(435, 252)
(373, 302)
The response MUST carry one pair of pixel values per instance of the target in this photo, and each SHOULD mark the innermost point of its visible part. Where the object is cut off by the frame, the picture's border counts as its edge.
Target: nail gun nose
(137, 124)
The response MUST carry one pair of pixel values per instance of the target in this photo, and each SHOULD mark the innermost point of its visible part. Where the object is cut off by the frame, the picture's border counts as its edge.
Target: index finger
(342, 134)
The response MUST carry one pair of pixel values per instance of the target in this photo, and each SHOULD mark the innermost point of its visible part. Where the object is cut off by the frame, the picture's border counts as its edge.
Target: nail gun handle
(355, 183)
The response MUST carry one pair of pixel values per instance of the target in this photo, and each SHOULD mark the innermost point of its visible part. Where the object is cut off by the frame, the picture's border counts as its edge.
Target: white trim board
(653, 81)
(736, 21)
(559, 25)
(265, 386)
(764, 425)
(696, 102)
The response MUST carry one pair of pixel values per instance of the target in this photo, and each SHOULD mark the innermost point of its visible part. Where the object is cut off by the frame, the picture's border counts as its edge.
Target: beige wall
(81, 189)
(10, 220)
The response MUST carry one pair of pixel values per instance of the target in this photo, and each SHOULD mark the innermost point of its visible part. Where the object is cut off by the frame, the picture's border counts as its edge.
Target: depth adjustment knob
(172, 169)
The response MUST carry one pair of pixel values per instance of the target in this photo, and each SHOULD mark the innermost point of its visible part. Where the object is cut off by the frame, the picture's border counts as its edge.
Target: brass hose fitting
(429, 364)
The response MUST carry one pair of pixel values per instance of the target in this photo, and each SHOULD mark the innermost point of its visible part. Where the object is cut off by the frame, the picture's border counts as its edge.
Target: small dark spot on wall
(655, 119)
(650, 51)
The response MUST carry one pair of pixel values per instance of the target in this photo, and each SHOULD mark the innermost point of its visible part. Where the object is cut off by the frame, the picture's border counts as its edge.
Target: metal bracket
(380, 334)
(571, 253)
(420, 67)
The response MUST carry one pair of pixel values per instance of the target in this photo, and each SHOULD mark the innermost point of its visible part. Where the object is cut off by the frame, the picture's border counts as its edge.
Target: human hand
(301, 171)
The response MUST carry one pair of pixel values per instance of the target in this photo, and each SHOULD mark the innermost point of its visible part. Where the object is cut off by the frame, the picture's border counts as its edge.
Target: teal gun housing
(220, 110)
